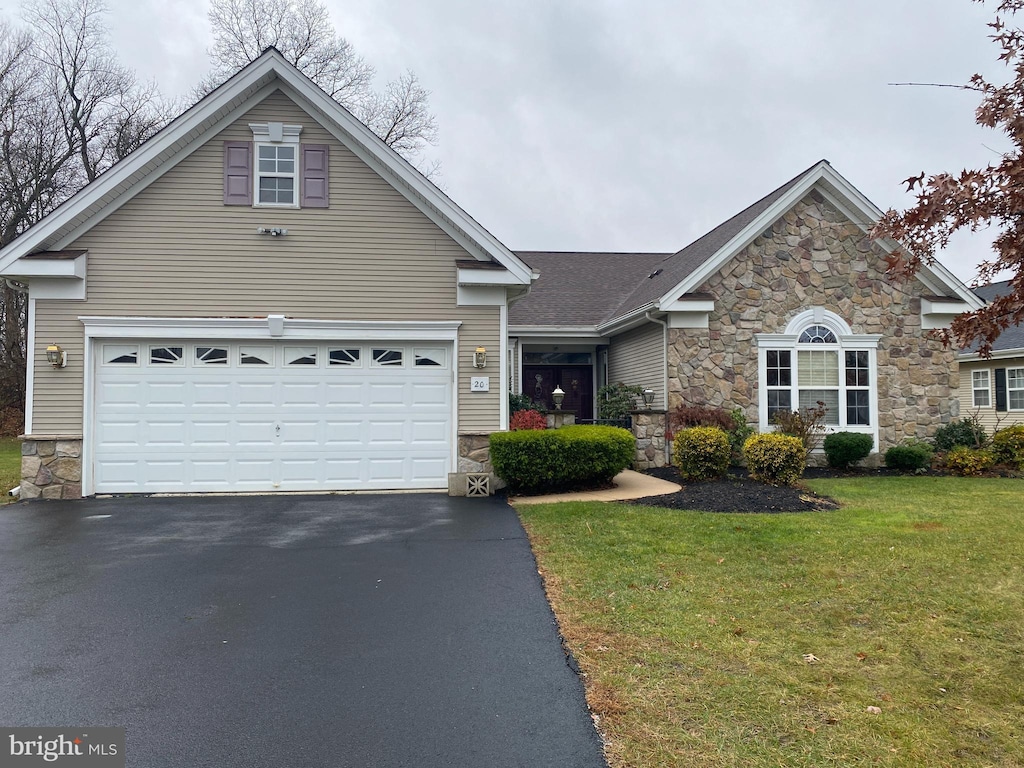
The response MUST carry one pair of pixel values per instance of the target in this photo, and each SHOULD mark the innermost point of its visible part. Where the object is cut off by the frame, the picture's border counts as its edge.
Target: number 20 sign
(480, 384)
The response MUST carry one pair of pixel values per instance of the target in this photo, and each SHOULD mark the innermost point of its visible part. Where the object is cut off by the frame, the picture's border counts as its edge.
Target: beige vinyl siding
(989, 417)
(638, 357)
(175, 250)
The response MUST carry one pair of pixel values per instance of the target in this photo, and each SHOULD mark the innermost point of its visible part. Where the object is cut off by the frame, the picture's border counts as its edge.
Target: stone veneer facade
(648, 428)
(51, 467)
(814, 256)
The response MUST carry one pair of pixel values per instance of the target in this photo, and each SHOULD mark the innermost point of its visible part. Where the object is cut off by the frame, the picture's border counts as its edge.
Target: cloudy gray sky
(602, 125)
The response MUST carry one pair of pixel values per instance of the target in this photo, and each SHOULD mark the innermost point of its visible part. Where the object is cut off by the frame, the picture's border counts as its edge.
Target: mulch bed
(738, 493)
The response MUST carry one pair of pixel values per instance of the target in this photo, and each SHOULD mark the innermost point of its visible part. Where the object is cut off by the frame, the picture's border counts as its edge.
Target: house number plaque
(480, 384)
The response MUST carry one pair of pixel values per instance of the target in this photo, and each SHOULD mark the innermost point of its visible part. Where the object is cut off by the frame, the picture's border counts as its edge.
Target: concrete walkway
(628, 485)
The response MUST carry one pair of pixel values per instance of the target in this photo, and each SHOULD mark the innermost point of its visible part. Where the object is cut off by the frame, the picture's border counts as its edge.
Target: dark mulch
(738, 493)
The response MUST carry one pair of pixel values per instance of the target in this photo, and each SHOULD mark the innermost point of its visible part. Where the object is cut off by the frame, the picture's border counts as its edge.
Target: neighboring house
(993, 389)
(262, 297)
(782, 306)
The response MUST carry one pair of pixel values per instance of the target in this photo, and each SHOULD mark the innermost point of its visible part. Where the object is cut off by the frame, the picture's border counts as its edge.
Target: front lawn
(712, 639)
(10, 467)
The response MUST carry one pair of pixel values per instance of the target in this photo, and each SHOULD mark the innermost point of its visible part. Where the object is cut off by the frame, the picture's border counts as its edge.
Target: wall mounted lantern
(558, 395)
(56, 356)
(648, 397)
(480, 358)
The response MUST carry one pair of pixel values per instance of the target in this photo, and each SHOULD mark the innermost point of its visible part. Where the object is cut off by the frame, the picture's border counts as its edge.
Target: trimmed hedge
(1008, 445)
(701, 453)
(566, 458)
(775, 459)
(846, 448)
(909, 457)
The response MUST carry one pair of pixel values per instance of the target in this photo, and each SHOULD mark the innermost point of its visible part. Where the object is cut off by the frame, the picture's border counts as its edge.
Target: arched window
(818, 359)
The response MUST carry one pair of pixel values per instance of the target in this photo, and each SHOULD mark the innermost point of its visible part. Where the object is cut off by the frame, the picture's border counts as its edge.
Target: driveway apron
(355, 630)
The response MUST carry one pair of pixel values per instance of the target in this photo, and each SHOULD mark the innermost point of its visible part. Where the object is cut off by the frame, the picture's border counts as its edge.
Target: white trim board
(262, 328)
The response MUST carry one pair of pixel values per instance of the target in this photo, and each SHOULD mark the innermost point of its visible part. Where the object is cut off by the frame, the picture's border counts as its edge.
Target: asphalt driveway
(377, 630)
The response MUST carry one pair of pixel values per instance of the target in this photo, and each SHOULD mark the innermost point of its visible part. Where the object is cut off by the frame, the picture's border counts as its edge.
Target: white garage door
(237, 416)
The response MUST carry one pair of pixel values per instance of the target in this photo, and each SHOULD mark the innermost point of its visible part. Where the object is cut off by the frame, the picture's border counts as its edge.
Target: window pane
(267, 152)
(255, 355)
(830, 397)
(121, 354)
(165, 355)
(343, 356)
(1015, 388)
(300, 355)
(285, 153)
(817, 368)
(779, 400)
(267, 166)
(980, 379)
(817, 334)
(857, 369)
(778, 373)
(286, 166)
(212, 355)
(858, 410)
(387, 356)
(430, 356)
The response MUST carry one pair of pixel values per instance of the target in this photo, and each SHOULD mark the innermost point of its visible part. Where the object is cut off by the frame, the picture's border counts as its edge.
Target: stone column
(649, 430)
(558, 419)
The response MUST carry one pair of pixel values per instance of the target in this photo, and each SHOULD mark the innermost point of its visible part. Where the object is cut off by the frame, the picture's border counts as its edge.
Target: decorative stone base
(476, 475)
(51, 466)
(558, 419)
(649, 430)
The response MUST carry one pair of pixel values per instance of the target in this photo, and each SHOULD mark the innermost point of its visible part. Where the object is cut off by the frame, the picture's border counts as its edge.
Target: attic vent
(655, 273)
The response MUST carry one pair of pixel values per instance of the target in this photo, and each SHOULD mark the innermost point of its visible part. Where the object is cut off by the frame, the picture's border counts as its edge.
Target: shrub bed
(1008, 446)
(969, 461)
(775, 459)
(561, 459)
(967, 433)
(701, 453)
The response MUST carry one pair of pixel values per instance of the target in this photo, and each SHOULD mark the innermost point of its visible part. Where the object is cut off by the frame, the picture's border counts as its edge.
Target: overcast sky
(640, 125)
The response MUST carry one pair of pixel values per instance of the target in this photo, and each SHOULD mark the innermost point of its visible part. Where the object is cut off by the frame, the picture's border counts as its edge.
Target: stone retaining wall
(649, 430)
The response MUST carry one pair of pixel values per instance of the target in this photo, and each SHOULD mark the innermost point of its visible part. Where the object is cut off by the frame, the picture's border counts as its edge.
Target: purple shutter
(314, 176)
(237, 173)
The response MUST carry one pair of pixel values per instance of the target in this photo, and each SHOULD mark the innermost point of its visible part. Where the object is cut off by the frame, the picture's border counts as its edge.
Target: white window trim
(847, 342)
(1013, 389)
(975, 389)
(272, 135)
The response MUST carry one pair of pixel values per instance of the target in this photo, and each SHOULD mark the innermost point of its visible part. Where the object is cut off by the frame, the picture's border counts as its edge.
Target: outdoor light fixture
(480, 358)
(648, 398)
(558, 396)
(56, 356)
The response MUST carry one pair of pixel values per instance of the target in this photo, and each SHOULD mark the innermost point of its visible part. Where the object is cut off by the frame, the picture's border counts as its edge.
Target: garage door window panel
(300, 355)
(349, 357)
(249, 355)
(211, 355)
(166, 356)
(429, 357)
(388, 357)
(120, 354)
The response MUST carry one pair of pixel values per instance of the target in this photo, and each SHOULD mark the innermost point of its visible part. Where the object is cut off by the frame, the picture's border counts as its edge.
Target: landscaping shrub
(774, 458)
(733, 423)
(969, 461)
(527, 420)
(701, 453)
(520, 402)
(807, 425)
(567, 458)
(846, 448)
(1008, 446)
(910, 456)
(966, 432)
(616, 401)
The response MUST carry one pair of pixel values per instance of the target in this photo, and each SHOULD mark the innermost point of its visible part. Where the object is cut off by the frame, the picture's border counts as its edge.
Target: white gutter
(664, 353)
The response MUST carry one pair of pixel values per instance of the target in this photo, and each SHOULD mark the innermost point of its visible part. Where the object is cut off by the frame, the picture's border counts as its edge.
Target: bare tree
(302, 31)
(68, 111)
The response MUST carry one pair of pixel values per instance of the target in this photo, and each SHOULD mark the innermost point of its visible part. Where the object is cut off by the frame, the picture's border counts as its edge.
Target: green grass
(693, 629)
(10, 467)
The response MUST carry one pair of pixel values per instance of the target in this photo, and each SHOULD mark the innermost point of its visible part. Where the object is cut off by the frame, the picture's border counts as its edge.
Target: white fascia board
(56, 288)
(55, 268)
(546, 332)
(368, 147)
(625, 322)
(1003, 354)
(488, 277)
(259, 328)
(942, 307)
(480, 296)
(689, 305)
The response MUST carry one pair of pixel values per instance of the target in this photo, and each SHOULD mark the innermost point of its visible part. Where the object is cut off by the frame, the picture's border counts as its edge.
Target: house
(993, 389)
(262, 297)
(265, 297)
(782, 306)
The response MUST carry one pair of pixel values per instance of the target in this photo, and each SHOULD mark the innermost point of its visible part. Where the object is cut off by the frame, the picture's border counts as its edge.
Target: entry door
(576, 381)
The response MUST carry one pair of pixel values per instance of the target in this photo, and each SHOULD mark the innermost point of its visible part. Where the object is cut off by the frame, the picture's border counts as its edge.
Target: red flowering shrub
(527, 420)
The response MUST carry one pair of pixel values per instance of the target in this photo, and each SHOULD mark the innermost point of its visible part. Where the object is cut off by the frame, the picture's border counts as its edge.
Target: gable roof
(1013, 337)
(270, 72)
(577, 288)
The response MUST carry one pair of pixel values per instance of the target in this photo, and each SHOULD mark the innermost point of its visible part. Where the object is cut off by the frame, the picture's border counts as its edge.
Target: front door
(539, 381)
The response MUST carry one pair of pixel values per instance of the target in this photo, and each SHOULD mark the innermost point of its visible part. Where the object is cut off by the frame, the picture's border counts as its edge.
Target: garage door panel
(197, 426)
